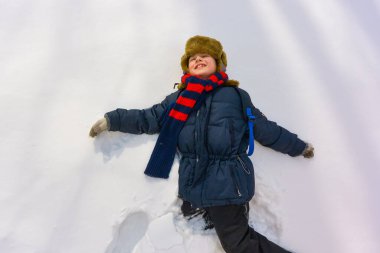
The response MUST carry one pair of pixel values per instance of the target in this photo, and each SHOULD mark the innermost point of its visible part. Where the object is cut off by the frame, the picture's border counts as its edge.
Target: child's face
(202, 65)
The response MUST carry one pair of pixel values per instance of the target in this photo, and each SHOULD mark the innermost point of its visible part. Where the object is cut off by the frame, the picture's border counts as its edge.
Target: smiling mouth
(200, 66)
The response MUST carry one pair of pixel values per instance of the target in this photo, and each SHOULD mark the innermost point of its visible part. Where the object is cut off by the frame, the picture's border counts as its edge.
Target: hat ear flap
(224, 59)
(222, 62)
(184, 63)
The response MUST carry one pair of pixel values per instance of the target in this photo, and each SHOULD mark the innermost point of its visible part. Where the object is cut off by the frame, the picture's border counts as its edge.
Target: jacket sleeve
(271, 135)
(136, 121)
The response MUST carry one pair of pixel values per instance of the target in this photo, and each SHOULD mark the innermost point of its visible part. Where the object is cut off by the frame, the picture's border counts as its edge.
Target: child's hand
(309, 151)
(98, 127)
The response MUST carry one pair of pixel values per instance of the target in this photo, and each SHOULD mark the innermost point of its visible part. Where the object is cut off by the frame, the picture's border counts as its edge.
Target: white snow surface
(311, 66)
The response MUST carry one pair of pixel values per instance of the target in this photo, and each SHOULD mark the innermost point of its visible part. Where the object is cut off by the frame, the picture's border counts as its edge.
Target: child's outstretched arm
(134, 121)
(271, 135)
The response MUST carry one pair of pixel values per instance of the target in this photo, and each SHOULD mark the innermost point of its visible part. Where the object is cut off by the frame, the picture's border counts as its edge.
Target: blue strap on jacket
(251, 118)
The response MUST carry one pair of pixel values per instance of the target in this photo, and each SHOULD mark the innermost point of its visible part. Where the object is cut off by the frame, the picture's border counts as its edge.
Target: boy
(204, 120)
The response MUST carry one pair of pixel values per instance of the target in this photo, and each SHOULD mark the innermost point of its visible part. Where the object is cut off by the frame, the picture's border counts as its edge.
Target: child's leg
(190, 212)
(235, 235)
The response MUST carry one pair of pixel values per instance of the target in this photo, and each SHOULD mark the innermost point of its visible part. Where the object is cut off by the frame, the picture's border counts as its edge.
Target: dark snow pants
(235, 235)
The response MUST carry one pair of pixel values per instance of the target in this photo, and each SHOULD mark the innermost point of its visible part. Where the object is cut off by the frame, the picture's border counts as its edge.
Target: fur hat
(204, 45)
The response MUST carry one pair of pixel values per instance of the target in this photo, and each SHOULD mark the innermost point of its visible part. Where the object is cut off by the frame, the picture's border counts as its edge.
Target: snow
(312, 66)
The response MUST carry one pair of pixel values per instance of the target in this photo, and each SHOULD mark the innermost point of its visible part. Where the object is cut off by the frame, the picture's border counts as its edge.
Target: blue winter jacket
(214, 167)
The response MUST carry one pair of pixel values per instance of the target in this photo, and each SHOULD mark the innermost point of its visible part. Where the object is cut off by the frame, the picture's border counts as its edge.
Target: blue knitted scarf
(190, 100)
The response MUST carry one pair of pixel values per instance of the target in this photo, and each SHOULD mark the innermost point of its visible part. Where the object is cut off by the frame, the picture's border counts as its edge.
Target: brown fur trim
(181, 86)
(231, 82)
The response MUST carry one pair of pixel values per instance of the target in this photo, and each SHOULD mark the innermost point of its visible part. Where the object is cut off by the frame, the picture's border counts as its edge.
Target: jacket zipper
(237, 189)
(234, 179)
(231, 130)
(243, 165)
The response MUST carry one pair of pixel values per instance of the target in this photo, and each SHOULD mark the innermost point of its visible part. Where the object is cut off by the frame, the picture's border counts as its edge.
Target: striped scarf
(190, 100)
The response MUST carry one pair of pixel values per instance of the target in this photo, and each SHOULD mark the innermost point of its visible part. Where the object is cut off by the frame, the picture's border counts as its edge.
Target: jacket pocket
(186, 175)
(221, 182)
(243, 166)
(245, 173)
